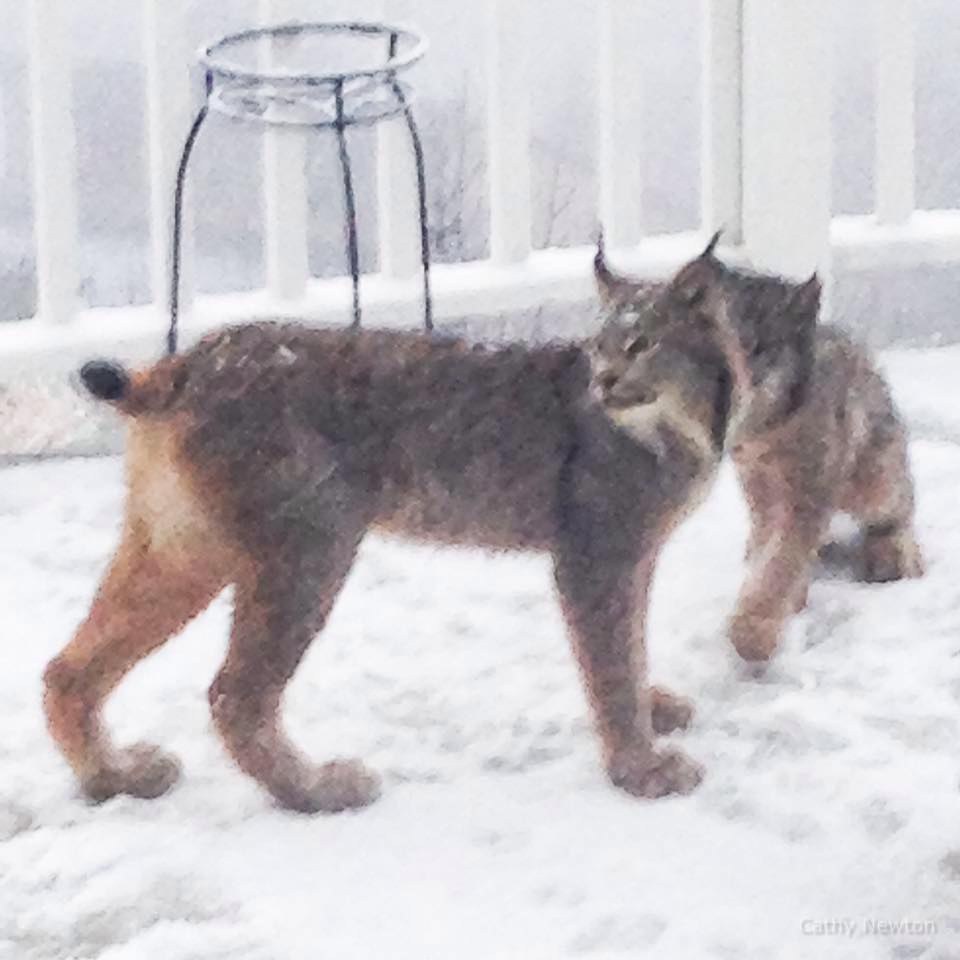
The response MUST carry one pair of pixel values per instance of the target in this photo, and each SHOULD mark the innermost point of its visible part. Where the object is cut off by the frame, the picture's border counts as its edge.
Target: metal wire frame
(176, 252)
(211, 57)
(350, 204)
(341, 121)
(417, 145)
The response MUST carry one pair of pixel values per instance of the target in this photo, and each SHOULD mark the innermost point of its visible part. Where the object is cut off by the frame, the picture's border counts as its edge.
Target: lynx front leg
(760, 489)
(145, 598)
(603, 591)
(278, 612)
(777, 584)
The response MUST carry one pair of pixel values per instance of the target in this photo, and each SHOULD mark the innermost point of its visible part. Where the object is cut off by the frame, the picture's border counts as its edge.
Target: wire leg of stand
(350, 204)
(177, 241)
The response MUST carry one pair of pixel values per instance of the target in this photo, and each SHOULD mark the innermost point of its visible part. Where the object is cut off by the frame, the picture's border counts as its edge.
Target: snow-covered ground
(831, 804)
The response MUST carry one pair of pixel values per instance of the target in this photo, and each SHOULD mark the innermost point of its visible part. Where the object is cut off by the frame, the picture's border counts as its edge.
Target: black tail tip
(105, 380)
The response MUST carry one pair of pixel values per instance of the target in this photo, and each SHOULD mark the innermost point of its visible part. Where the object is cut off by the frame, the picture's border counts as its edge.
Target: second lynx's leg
(788, 517)
(777, 581)
(884, 502)
(668, 712)
(793, 521)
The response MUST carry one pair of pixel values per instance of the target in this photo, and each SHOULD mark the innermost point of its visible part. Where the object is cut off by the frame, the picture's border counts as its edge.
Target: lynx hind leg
(890, 555)
(603, 593)
(147, 596)
(884, 503)
(280, 606)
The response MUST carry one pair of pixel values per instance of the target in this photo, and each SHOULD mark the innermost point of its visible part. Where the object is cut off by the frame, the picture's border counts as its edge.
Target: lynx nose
(606, 381)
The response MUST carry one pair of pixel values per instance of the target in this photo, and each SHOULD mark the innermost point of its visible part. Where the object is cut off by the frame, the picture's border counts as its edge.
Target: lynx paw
(754, 638)
(669, 712)
(891, 558)
(653, 775)
(336, 786)
(141, 771)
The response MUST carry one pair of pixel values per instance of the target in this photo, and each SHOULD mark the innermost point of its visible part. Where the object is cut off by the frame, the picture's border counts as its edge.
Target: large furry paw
(143, 771)
(335, 787)
(669, 712)
(889, 558)
(754, 638)
(653, 775)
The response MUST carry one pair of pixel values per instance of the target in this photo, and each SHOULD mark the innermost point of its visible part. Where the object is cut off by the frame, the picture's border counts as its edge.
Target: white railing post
(894, 109)
(4, 150)
(54, 155)
(621, 122)
(720, 170)
(168, 63)
(398, 204)
(508, 129)
(284, 184)
(398, 209)
(787, 47)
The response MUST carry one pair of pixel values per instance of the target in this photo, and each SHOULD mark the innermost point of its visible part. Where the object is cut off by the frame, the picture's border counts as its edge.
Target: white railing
(285, 193)
(54, 150)
(766, 159)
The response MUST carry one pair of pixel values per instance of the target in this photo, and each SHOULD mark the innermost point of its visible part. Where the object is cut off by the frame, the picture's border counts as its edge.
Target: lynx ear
(693, 280)
(806, 297)
(611, 286)
(712, 245)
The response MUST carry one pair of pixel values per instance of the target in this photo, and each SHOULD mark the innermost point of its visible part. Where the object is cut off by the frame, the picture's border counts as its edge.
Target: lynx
(262, 456)
(814, 432)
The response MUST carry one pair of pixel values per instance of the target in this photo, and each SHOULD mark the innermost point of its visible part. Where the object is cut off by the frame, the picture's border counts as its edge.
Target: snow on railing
(766, 155)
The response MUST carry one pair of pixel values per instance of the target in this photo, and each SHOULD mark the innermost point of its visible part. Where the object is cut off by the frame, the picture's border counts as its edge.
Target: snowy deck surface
(832, 795)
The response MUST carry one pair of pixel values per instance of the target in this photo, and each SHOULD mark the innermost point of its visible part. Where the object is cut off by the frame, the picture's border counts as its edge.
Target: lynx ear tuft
(611, 286)
(711, 247)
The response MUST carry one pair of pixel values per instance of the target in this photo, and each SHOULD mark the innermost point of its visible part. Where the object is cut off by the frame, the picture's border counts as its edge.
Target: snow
(831, 799)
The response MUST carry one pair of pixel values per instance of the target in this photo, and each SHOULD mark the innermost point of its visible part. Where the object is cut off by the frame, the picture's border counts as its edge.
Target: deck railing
(765, 160)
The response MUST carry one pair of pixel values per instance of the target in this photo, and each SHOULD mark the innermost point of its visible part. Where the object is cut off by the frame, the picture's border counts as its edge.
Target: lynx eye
(639, 344)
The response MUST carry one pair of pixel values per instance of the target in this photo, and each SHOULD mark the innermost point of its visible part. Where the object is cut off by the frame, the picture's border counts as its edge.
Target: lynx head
(766, 327)
(656, 363)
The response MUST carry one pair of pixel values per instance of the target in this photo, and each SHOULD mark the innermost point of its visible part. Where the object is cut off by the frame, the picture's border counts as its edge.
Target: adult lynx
(262, 456)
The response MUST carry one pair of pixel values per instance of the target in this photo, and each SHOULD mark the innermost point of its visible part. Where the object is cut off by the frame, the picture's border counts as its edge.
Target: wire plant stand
(262, 76)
